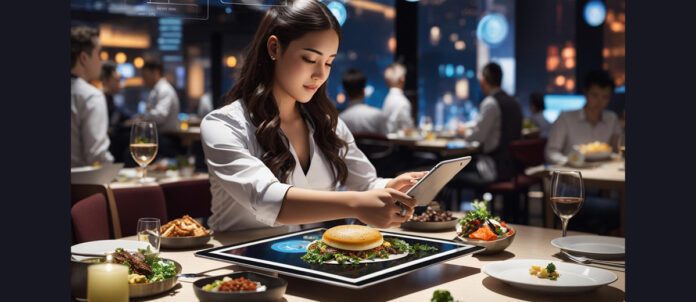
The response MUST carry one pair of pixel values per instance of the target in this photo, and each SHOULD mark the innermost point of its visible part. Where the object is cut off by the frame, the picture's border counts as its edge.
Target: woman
(277, 152)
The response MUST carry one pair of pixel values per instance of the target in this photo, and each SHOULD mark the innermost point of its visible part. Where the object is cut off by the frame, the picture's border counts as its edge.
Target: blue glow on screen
(492, 29)
(291, 246)
(556, 103)
(339, 11)
(595, 12)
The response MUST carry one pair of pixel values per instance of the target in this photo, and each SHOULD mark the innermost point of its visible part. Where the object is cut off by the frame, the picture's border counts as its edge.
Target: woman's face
(305, 65)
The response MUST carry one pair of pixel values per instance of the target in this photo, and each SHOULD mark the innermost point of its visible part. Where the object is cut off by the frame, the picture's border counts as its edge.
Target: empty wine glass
(149, 231)
(143, 145)
(567, 195)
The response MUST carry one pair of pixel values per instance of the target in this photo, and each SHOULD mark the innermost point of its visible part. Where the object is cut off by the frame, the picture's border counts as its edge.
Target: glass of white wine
(143, 145)
(567, 195)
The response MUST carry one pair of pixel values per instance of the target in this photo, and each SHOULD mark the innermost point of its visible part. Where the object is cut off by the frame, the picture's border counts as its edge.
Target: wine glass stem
(565, 225)
(143, 174)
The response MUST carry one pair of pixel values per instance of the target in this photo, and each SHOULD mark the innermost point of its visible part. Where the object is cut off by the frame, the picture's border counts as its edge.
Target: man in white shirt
(396, 107)
(162, 105)
(89, 142)
(592, 123)
(360, 117)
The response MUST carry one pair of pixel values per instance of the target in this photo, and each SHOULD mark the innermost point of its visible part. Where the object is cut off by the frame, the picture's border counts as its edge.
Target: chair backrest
(527, 152)
(82, 191)
(374, 145)
(138, 202)
(189, 197)
(90, 219)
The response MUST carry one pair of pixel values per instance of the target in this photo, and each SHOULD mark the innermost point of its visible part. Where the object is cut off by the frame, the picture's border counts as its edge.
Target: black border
(35, 149)
(321, 278)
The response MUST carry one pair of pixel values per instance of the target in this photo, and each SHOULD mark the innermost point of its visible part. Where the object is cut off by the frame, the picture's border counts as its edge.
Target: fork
(585, 260)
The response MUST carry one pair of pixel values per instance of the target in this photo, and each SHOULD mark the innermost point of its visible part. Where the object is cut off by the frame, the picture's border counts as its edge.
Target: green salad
(144, 266)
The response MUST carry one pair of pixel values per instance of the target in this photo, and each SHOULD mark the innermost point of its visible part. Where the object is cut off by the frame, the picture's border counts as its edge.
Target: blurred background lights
(231, 61)
(121, 58)
(595, 12)
(369, 90)
(492, 29)
(339, 11)
(138, 62)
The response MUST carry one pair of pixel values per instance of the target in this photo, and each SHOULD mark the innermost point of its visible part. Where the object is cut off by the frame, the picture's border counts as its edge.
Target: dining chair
(134, 203)
(525, 153)
(188, 197)
(90, 219)
(79, 192)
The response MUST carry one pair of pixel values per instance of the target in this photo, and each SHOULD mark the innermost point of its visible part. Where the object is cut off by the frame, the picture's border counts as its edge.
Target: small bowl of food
(431, 220)
(184, 232)
(595, 151)
(240, 286)
(478, 227)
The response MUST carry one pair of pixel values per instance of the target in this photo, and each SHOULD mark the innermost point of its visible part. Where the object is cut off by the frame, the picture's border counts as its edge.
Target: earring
(272, 58)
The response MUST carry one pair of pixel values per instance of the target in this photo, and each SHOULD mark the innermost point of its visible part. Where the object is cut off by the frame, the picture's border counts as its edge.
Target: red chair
(90, 219)
(525, 153)
(138, 202)
(190, 197)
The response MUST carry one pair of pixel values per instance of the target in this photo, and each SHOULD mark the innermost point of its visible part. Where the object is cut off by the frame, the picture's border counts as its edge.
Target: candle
(107, 282)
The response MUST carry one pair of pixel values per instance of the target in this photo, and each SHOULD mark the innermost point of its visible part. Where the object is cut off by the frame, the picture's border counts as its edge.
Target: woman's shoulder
(232, 115)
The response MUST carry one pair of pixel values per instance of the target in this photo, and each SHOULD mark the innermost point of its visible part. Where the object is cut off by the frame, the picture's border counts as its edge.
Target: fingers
(402, 197)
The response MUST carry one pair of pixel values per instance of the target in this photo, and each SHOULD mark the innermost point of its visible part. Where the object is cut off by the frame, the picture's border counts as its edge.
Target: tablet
(427, 187)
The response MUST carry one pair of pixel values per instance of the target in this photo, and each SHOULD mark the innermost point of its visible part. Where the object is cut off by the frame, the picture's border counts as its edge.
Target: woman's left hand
(405, 181)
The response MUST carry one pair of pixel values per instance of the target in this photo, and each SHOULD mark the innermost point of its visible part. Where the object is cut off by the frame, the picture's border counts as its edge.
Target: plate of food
(148, 274)
(100, 248)
(240, 286)
(431, 220)
(480, 228)
(595, 150)
(356, 244)
(549, 276)
(184, 232)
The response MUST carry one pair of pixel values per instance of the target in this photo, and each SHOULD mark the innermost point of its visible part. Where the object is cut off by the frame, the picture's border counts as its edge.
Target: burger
(354, 244)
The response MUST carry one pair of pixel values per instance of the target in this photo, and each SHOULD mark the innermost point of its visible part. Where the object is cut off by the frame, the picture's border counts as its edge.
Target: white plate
(101, 247)
(95, 175)
(573, 278)
(592, 245)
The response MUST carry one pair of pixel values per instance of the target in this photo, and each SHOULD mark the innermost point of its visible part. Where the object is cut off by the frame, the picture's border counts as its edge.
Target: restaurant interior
(528, 98)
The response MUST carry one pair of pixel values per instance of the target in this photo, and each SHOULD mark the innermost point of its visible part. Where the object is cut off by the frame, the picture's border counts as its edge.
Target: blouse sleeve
(243, 176)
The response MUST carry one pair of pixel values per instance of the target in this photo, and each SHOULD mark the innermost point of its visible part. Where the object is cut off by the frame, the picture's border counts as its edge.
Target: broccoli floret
(441, 295)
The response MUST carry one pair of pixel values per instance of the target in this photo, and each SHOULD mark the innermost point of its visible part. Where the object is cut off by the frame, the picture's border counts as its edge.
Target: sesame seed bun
(352, 237)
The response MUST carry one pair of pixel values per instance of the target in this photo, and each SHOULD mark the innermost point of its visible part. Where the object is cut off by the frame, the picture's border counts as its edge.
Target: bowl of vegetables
(478, 227)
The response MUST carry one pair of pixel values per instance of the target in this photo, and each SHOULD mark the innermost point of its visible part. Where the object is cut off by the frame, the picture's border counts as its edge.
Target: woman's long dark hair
(255, 86)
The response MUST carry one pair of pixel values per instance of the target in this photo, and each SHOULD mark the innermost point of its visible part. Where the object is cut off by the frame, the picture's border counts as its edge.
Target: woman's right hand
(379, 207)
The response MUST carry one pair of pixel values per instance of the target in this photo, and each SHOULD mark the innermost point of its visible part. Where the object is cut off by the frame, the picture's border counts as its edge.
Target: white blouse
(245, 192)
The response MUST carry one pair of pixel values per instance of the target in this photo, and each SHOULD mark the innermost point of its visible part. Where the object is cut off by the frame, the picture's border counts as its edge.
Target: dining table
(608, 174)
(462, 277)
(445, 146)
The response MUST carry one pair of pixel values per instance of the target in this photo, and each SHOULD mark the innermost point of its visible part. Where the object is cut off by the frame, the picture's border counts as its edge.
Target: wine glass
(567, 195)
(143, 145)
(426, 125)
(149, 231)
